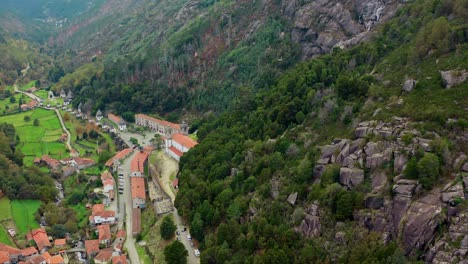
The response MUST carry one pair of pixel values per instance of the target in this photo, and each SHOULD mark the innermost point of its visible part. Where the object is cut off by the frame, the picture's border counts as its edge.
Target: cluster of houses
(36, 255)
(175, 136)
(67, 166)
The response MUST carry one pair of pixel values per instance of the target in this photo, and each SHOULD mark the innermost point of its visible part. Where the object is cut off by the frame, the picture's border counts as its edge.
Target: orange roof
(122, 259)
(104, 255)
(104, 232)
(176, 151)
(57, 259)
(121, 233)
(106, 175)
(83, 161)
(120, 155)
(107, 214)
(91, 246)
(36, 259)
(40, 237)
(47, 256)
(138, 188)
(184, 140)
(97, 209)
(10, 250)
(108, 182)
(175, 182)
(114, 118)
(29, 251)
(50, 161)
(159, 121)
(60, 242)
(4, 257)
(139, 160)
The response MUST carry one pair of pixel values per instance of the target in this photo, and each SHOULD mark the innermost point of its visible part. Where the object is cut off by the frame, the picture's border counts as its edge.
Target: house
(137, 166)
(119, 156)
(122, 259)
(100, 216)
(29, 252)
(12, 253)
(164, 128)
(177, 144)
(118, 121)
(63, 94)
(39, 236)
(4, 257)
(99, 115)
(175, 183)
(104, 256)
(107, 181)
(120, 236)
(83, 163)
(32, 104)
(138, 192)
(60, 243)
(104, 234)
(92, 247)
(57, 259)
(51, 163)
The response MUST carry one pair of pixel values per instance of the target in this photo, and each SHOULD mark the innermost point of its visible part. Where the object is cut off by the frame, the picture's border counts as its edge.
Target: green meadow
(23, 214)
(36, 141)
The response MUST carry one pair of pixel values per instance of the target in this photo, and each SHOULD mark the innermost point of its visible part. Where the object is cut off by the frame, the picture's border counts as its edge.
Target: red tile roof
(106, 176)
(40, 237)
(138, 188)
(104, 255)
(175, 182)
(108, 182)
(83, 161)
(176, 151)
(47, 256)
(36, 260)
(9, 249)
(139, 160)
(159, 121)
(91, 246)
(114, 118)
(57, 259)
(4, 257)
(120, 155)
(60, 242)
(97, 209)
(184, 140)
(29, 251)
(104, 232)
(122, 259)
(50, 161)
(121, 233)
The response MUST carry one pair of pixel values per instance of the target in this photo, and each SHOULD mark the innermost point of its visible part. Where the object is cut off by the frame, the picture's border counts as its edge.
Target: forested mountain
(330, 131)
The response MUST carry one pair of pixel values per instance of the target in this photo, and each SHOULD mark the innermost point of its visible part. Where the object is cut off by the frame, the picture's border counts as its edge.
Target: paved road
(127, 197)
(68, 143)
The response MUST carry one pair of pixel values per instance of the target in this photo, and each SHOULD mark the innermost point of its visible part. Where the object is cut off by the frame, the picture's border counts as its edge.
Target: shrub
(167, 228)
(428, 169)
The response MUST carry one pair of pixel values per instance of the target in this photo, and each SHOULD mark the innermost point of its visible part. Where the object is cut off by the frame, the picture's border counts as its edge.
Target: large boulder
(310, 225)
(409, 85)
(405, 188)
(351, 177)
(292, 198)
(356, 145)
(451, 192)
(379, 180)
(452, 78)
(422, 219)
(374, 147)
(375, 161)
(361, 132)
(400, 162)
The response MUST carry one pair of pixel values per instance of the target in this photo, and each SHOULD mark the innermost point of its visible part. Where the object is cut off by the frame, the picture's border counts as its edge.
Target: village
(128, 188)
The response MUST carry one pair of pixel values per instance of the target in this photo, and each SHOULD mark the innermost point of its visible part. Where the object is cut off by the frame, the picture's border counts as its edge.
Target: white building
(177, 144)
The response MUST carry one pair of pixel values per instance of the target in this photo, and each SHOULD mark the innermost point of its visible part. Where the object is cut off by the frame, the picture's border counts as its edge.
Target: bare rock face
(375, 161)
(320, 25)
(452, 192)
(409, 85)
(379, 180)
(310, 226)
(351, 177)
(292, 198)
(422, 219)
(405, 188)
(453, 78)
(400, 162)
(361, 132)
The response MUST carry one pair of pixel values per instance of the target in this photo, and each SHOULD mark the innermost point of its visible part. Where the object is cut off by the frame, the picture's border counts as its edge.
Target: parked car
(189, 237)
(197, 252)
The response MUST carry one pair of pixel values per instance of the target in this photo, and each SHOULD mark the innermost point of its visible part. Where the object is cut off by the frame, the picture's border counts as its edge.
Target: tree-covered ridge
(234, 185)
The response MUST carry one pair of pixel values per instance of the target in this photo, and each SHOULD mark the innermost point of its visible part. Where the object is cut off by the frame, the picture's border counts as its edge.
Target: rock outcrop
(452, 78)
(409, 85)
(310, 226)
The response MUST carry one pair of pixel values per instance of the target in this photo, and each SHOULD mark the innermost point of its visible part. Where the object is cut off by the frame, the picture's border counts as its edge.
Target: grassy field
(5, 237)
(27, 86)
(7, 107)
(38, 140)
(5, 209)
(23, 214)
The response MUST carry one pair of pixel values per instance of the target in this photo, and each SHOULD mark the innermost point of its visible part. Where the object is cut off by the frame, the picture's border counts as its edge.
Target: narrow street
(125, 200)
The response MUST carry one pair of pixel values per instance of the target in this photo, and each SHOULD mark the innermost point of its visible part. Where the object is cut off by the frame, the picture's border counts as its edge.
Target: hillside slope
(354, 157)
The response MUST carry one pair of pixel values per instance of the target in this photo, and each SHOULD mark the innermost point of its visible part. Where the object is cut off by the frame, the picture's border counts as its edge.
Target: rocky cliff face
(397, 207)
(320, 25)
